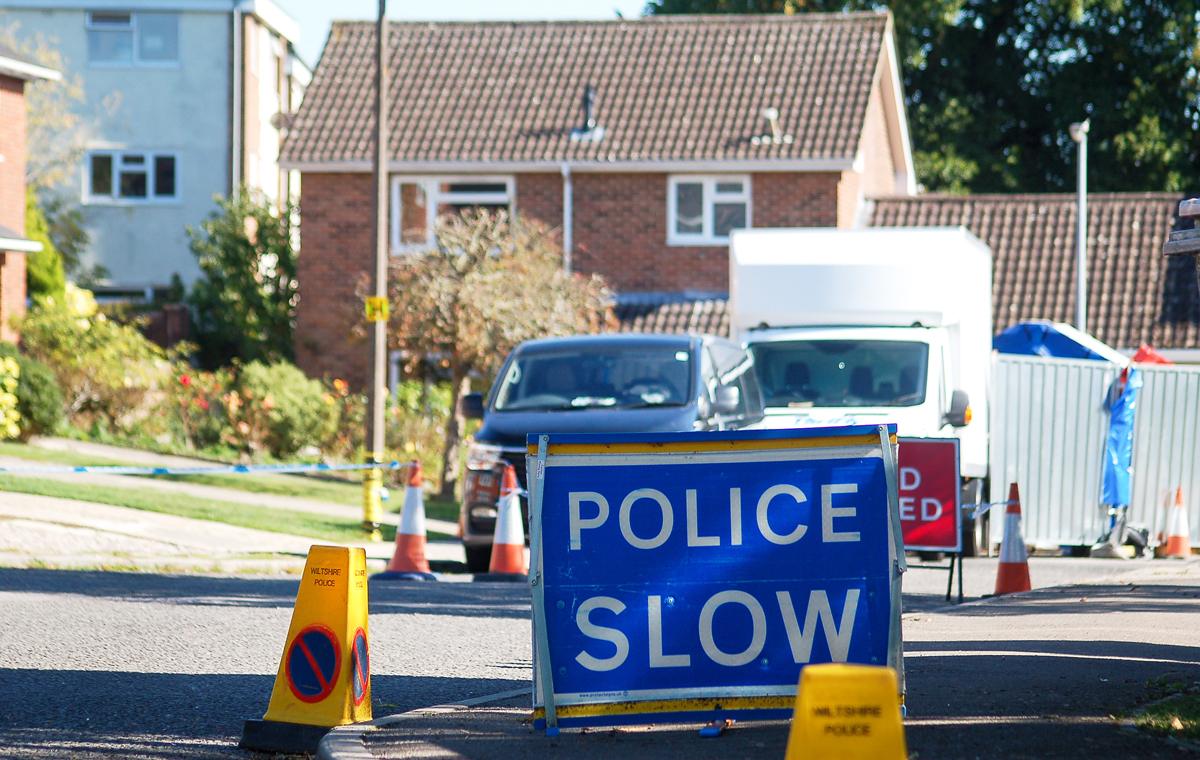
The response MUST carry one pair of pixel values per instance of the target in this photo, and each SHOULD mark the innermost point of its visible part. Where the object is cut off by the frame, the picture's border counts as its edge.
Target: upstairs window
(128, 177)
(122, 38)
(417, 202)
(704, 210)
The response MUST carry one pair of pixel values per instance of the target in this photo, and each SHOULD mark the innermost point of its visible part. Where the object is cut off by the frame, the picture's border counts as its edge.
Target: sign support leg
(544, 668)
(898, 563)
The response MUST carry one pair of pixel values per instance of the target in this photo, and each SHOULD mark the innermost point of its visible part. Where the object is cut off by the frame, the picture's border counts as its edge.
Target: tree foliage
(490, 283)
(245, 300)
(44, 275)
(991, 86)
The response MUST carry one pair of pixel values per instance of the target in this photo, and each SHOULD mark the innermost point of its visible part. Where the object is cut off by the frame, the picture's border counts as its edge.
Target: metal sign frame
(749, 702)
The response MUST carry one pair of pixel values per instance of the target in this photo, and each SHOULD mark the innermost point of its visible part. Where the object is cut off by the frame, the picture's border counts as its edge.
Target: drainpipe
(235, 121)
(567, 216)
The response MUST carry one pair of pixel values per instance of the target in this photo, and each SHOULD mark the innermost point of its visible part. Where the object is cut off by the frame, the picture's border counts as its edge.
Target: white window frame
(118, 156)
(435, 198)
(710, 197)
(134, 61)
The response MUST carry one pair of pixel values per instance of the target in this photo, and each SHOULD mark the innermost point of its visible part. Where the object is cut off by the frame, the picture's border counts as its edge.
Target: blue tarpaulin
(1118, 448)
(1056, 339)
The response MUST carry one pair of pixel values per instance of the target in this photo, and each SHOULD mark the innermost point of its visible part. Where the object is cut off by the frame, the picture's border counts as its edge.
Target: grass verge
(295, 486)
(328, 528)
(1177, 716)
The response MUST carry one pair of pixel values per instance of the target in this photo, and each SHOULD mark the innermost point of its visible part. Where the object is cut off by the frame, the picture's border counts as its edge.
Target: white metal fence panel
(1166, 446)
(1048, 426)
(1048, 429)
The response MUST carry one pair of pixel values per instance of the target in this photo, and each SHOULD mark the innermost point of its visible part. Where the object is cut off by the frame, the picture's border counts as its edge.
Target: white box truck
(870, 326)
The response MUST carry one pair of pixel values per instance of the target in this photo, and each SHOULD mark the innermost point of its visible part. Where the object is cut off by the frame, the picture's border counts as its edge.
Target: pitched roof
(1135, 294)
(708, 316)
(20, 66)
(668, 88)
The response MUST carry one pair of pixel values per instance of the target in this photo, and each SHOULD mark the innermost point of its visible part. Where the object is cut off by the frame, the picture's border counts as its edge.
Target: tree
(44, 275)
(490, 283)
(245, 300)
(991, 86)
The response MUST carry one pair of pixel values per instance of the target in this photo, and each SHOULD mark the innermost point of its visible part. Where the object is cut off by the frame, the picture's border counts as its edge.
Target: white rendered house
(184, 100)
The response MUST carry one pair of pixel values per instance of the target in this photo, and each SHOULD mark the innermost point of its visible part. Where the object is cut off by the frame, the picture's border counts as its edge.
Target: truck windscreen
(622, 377)
(822, 373)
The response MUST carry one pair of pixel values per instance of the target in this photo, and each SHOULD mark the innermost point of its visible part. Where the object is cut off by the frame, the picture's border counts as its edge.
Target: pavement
(1052, 673)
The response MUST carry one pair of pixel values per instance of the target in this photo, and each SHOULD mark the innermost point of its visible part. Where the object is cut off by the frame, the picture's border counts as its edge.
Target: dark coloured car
(622, 383)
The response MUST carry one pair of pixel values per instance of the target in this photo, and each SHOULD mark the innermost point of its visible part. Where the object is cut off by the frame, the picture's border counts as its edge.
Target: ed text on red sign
(929, 494)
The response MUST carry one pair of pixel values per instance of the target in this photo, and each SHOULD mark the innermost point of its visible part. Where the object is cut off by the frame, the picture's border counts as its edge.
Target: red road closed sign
(929, 494)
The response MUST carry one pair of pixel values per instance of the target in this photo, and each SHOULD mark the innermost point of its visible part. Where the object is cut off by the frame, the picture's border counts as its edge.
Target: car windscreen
(806, 373)
(596, 377)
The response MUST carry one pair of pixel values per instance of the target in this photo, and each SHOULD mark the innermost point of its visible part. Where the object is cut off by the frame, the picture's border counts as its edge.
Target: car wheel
(478, 558)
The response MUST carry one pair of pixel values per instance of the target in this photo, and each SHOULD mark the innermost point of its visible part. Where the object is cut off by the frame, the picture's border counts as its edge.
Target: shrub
(199, 409)
(39, 400)
(277, 407)
(9, 416)
(111, 376)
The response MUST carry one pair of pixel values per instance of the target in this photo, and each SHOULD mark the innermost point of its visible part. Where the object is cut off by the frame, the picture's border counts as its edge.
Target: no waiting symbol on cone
(360, 666)
(313, 660)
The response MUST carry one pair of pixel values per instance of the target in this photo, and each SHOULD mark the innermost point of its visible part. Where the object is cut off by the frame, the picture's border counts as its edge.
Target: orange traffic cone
(408, 561)
(508, 542)
(1178, 545)
(1013, 573)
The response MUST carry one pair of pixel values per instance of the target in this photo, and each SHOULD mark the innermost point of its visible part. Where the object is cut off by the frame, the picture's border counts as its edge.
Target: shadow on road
(77, 713)
(397, 597)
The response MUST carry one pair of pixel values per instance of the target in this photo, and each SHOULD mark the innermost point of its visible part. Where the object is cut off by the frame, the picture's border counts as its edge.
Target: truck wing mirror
(960, 410)
(472, 406)
(729, 398)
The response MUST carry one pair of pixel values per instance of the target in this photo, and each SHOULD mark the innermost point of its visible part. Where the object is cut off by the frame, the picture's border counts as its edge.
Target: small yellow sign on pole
(376, 309)
(847, 712)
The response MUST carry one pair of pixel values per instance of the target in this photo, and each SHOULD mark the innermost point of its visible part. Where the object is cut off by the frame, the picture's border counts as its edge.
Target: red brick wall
(337, 250)
(619, 228)
(12, 147)
(12, 200)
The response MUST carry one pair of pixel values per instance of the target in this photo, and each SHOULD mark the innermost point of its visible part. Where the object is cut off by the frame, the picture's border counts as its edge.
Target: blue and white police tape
(232, 469)
(986, 506)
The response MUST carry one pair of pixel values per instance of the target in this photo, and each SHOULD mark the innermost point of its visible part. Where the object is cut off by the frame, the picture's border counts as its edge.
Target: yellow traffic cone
(324, 676)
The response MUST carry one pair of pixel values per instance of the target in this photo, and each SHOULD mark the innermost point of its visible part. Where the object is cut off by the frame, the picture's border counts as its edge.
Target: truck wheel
(975, 536)
(478, 558)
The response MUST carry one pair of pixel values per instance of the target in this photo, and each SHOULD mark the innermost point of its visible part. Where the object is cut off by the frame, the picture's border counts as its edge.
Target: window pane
(133, 158)
(474, 187)
(107, 18)
(132, 184)
(689, 208)
(102, 175)
(158, 36)
(728, 217)
(729, 187)
(110, 47)
(413, 209)
(164, 176)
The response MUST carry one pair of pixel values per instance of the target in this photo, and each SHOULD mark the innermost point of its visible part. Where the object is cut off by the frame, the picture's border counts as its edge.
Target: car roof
(622, 340)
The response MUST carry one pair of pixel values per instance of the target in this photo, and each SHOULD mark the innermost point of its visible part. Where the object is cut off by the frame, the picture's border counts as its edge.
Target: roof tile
(667, 88)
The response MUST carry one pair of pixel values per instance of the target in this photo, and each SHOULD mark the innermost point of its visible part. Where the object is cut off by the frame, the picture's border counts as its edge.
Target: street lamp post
(1079, 133)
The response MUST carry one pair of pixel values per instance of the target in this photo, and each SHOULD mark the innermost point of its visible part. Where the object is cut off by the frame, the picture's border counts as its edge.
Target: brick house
(698, 125)
(15, 73)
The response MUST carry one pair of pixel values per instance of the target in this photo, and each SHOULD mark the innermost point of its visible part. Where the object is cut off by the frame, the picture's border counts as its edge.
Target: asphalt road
(152, 666)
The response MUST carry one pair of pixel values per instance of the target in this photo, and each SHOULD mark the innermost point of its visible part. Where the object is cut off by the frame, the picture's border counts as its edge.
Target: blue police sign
(693, 575)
